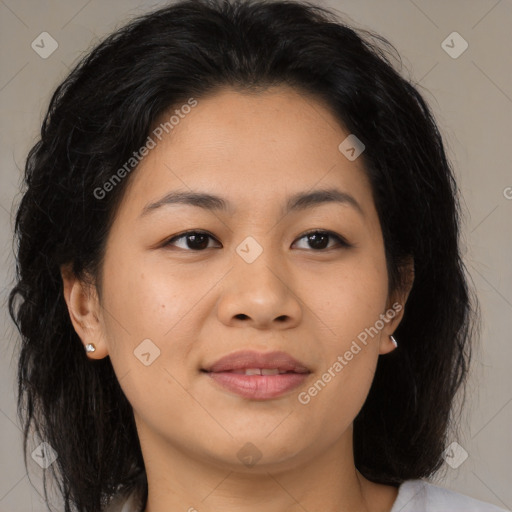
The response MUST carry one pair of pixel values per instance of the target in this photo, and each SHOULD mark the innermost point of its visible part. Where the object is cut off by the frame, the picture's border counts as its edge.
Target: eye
(199, 240)
(319, 239)
(193, 240)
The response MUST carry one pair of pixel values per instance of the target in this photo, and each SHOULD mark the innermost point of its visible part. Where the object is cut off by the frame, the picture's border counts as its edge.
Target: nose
(260, 294)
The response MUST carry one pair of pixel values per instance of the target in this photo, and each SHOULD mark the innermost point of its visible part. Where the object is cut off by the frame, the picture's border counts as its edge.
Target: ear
(84, 311)
(395, 307)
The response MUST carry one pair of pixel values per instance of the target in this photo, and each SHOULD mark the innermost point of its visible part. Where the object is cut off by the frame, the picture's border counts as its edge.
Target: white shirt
(423, 496)
(413, 496)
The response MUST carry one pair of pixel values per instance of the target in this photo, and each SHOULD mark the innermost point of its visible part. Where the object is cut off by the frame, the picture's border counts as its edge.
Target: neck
(181, 480)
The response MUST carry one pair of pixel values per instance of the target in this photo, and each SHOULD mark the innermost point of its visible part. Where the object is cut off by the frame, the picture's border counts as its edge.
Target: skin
(254, 150)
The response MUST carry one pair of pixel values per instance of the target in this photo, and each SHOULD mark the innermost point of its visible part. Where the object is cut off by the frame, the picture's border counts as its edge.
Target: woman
(239, 274)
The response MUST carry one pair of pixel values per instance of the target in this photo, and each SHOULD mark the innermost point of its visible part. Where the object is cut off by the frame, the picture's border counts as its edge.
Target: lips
(248, 360)
(256, 375)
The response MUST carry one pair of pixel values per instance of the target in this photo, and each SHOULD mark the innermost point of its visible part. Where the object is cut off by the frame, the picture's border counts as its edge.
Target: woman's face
(171, 309)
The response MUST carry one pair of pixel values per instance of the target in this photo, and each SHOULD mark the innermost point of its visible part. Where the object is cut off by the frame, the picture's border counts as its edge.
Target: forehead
(252, 147)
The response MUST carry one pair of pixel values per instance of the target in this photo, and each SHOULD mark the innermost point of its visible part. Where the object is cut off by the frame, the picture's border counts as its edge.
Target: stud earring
(90, 347)
(393, 340)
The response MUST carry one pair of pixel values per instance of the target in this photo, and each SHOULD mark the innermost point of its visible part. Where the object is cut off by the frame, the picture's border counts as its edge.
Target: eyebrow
(297, 202)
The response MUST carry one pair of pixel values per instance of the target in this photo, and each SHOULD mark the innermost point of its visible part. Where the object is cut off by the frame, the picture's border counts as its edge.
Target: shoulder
(413, 496)
(420, 495)
(123, 503)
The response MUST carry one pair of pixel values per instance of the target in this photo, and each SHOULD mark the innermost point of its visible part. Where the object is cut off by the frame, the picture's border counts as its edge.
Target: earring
(393, 340)
(90, 347)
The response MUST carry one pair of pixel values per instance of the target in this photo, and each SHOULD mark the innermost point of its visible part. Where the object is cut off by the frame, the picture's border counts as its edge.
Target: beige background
(472, 99)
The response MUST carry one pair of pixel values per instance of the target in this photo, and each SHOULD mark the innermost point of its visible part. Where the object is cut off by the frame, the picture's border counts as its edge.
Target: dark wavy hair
(104, 110)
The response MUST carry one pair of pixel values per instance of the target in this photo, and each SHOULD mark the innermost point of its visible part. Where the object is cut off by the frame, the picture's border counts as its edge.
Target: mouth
(256, 375)
(258, 371)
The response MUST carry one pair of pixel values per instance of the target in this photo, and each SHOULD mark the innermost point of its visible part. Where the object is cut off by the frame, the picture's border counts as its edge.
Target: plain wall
(471, 97)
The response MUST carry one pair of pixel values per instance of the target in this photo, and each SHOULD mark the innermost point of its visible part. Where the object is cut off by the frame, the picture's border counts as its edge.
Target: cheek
(149, 338)
(351, 351)
(351, 298)
(349, 308)
(143, 316)
(144, 299)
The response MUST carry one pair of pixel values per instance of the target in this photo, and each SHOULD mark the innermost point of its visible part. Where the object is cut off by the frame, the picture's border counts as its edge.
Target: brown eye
(194, 240)
(319, 240)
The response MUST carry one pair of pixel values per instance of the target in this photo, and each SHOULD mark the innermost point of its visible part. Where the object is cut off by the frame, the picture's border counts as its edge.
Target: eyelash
(342, 243)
